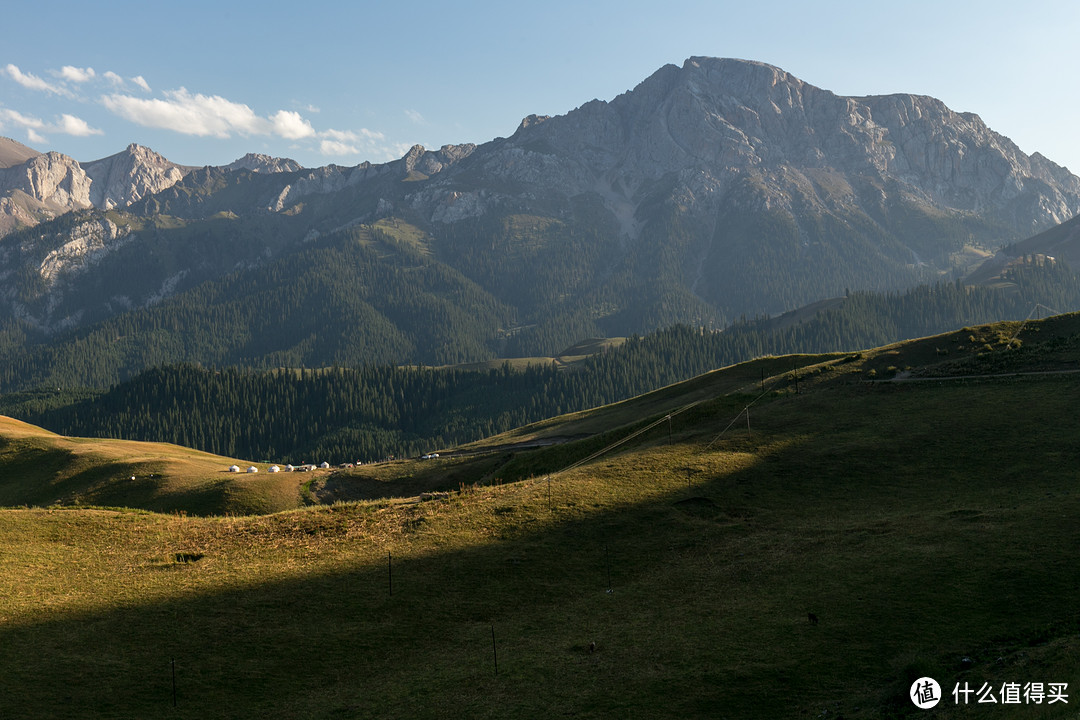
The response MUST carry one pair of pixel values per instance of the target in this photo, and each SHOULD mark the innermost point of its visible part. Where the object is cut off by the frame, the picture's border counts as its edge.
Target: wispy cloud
(351, 143)
(33, 82)
(120, 83)
(189, 113)
(336, 148)
(203, 115)
(214, 116)
(35, 127)
(71, 125)
(77, 75)
(14, 117)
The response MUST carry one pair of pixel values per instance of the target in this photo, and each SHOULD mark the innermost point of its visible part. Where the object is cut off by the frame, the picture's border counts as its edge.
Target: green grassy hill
(919, 499)
(39, 468)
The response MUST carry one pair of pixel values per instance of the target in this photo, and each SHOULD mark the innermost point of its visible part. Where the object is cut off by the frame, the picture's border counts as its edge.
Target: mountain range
(714, 190)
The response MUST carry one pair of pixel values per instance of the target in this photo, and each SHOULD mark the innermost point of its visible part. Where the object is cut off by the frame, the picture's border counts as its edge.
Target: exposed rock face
(85, 241)
(257, 162)
(417, 164)
(121, 179)
(714, 123)
(51, 184)
(320, 181)
(55, 180)
(429, 163)
(56, 257)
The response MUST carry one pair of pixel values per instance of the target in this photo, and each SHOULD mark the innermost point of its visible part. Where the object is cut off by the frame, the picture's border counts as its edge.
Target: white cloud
(34, 137)
(207, 116)
(201, 115)
(71, 125)
(66, 125)
(335, 148)
(17, 118)
(188, 114)
(415, 116)
(368, 143)
(352, 136)
(118, 82)
(337, 143)
(291, 125)
(33, 82)
(77, 75)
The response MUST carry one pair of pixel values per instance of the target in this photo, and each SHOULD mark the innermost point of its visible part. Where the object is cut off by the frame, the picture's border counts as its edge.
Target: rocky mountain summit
(121, 179)
(717, 126)
(258, 162)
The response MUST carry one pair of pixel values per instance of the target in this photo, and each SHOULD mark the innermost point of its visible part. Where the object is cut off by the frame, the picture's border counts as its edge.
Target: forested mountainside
(371, 412)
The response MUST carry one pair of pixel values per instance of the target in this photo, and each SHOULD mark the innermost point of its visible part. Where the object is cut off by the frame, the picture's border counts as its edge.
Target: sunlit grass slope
(40, 468)
(922, 522)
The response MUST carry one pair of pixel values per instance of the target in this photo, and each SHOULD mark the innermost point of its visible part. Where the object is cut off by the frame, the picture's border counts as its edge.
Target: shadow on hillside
(693, 603)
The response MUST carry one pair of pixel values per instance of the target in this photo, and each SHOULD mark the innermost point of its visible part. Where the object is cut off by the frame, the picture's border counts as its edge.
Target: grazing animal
(812, 618)
(592, 647)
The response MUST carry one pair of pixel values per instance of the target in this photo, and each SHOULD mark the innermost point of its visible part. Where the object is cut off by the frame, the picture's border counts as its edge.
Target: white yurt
(273, 468)
(325, 466)
(234, 468)
(253, 469)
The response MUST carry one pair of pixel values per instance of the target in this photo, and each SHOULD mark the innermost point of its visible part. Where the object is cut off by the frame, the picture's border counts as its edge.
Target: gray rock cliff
(717, 123)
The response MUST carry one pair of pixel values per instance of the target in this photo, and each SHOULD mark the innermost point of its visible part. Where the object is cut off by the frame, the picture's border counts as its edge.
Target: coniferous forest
(369, 412)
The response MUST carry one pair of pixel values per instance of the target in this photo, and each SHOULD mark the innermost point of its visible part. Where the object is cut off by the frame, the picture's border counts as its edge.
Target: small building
(253, 469)
(289, 468)
(273, 468)
(324, 465)
(234, 468)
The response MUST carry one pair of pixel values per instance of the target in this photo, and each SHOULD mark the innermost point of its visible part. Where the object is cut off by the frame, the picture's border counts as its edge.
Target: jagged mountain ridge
(715, 123)
(719, 188)
(41, 186)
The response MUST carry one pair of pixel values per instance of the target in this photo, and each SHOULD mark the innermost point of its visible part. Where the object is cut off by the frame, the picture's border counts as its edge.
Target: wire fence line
(650, 426)
(745, 410)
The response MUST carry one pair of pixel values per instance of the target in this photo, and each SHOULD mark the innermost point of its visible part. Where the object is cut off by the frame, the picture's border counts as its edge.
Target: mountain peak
(260, 163)
(532, 120)
(131, 174)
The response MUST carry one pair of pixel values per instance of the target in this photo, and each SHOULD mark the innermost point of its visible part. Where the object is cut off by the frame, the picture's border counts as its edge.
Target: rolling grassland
(929, 522)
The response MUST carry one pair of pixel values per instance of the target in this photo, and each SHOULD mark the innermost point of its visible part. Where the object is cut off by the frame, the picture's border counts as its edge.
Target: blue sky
(342, 82)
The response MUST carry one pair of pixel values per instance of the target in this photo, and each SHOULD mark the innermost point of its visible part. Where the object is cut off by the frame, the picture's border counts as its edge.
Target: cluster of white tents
(288, 468)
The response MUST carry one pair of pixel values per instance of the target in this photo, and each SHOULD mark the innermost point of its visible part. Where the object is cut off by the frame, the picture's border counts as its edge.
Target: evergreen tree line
(363, 413)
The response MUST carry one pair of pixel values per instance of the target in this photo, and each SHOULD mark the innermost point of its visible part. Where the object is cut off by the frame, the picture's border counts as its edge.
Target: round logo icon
(925, 693)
